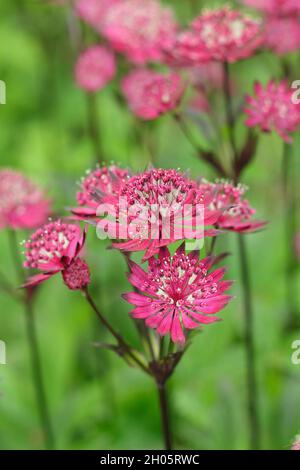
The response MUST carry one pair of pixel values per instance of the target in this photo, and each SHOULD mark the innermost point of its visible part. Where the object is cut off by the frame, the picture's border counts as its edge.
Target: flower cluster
(95, 67)
(94, 11)
(222, 35)
(22, 204)
(177, 293)
(151, 94)
(272, 109)
(139, 29)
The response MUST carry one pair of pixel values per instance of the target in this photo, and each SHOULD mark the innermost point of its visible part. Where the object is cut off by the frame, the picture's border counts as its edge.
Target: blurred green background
(96, 401)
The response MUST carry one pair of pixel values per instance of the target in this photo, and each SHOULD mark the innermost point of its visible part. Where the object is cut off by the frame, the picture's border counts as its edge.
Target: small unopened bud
(77, 275)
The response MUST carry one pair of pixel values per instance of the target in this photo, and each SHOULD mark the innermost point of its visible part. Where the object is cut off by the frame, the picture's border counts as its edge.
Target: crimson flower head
(95, 67)
(94, 11)
(151, 94)
(98, 183)
(222, 35)
(54, 248)
(177, 293)
(271, 108)
(276, 7)
(235, 212)
(139, 29)
(154, 209)
(22, 204)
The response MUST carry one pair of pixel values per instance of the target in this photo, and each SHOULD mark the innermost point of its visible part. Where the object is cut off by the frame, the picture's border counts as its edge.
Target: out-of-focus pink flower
(296, 445)
(95, 67)
(222, 34)
(177, 293)
(276, 7)
(271, 108)
(151, 94)
(100, 182)
(208, 75)
(55, 248)
(139, 29)
(94, 11)
(287, 29)
(236, 214)
(22, 204)
(297, 246)
(154, 209)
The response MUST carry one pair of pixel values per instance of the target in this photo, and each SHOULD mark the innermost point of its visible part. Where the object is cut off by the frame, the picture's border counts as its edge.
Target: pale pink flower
(55, 248)
(287, 29)
(177, 293)
(222, 34)
(276, 7)
(149, 210)
(236, 214)
(139, 29)
(94, 11)
(95, 67)
(100, 182)
(271, 108)
(296, 445)
(151, 94)
(22, 204)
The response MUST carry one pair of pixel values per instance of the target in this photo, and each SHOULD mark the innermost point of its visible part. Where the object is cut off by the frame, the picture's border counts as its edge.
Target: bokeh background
(96, 401)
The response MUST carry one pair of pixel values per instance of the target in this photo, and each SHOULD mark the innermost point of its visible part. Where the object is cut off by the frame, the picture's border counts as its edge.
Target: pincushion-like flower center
(48, 243)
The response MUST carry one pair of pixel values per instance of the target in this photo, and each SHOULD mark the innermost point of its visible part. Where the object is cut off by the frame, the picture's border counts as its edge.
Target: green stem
(165, 415)
(93, 126)
(43, 407)
(125, 347)
(250, 350)
(290, 230)
(229, 111)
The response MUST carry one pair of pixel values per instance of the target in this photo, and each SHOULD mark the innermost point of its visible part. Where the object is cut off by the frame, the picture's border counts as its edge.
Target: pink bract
(101, 182)
(272, 109)
(177, 293)
(222, 34)
(296, 445)
(236, 214)
(150, 208)
(94, 68)
(139, 29)
(22, 204)
(55, 248)
(151, 94)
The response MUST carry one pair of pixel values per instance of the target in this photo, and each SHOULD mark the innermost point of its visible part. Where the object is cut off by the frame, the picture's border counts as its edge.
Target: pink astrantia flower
(287, 29)
(154, 209)
(100, 182)
(223, 35)
(276, 7)
(236, 214)
(94, 11)
(177, 293)
(22, 204)
(55, 248)
(95, 67)
(272, 109)
(151, 94)
(296, 445)
(139, 29)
